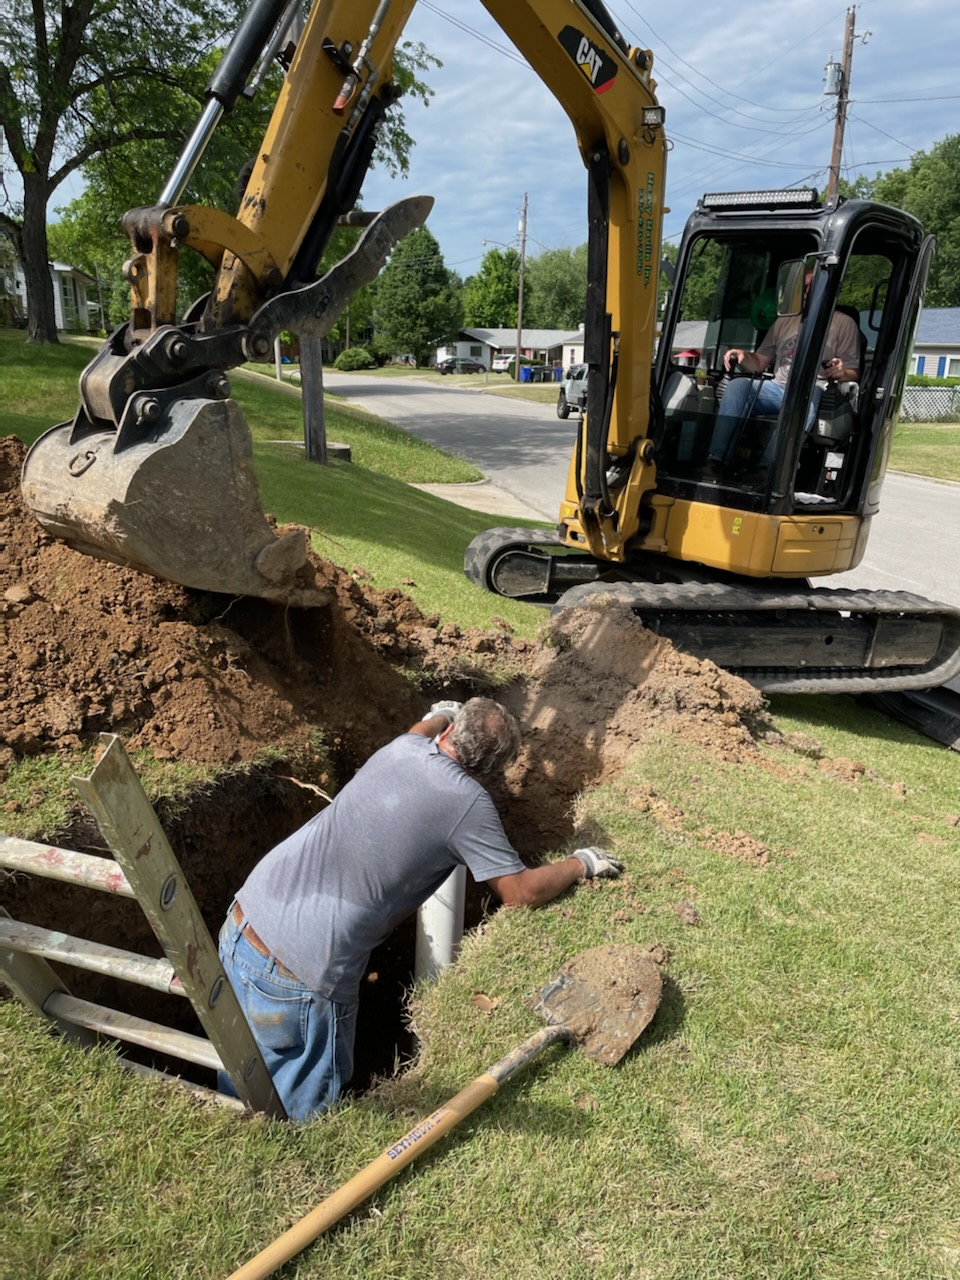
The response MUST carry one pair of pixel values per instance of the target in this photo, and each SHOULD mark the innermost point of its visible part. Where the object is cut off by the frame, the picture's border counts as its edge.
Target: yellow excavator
(155, 469)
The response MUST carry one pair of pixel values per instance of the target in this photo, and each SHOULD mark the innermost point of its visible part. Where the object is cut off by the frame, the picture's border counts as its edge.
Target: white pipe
(440, 926)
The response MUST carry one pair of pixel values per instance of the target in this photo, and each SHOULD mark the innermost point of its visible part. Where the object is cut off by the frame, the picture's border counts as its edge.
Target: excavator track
(783, 638)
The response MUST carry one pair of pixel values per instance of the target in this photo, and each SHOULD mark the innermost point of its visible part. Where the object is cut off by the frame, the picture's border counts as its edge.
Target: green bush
(923, 380)
(354, 358)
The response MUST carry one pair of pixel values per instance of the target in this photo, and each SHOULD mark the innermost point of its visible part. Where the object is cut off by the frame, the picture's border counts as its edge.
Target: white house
(546, 346)
(74, 308)
(74, 293)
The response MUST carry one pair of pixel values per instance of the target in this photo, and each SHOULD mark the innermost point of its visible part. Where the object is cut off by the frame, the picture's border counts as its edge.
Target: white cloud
(743, 91)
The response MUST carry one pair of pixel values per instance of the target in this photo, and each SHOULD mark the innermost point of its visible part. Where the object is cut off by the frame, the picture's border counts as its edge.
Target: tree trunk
(41, 316)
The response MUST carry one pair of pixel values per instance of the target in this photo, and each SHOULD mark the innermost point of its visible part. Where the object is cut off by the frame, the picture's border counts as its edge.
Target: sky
(745, 107)
(743, 91)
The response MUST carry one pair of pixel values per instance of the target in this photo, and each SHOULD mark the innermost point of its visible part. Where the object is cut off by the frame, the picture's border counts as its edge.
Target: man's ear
(445, 743)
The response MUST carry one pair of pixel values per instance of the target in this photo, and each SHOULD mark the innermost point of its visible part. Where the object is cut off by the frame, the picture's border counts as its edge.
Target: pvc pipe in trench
(440, 926)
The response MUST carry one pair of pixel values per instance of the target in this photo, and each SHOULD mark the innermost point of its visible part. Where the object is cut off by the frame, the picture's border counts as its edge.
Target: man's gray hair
(486, 737)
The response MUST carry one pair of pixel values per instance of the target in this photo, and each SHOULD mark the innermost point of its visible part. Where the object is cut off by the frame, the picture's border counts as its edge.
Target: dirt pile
(91, 647)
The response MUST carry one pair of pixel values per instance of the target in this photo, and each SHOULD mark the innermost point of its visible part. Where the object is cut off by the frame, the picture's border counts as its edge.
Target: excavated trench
(197, 678)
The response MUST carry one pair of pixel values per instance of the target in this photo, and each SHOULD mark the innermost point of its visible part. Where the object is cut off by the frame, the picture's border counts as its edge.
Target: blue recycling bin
(524, 373)
(558, 374)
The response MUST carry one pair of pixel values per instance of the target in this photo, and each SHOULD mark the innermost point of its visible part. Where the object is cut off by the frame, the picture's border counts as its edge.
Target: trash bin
(524, 373)
(558, 374)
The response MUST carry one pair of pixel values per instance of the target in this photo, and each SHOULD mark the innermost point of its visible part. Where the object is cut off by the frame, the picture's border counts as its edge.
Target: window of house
(68, 301)
(476, 352)
(953, 367)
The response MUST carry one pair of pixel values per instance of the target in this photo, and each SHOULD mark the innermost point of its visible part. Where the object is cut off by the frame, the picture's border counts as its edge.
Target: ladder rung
(81, 953)
(125, 1026)
(64, 864)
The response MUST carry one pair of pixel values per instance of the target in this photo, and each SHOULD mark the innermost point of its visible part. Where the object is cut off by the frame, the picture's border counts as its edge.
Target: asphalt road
(525, 450)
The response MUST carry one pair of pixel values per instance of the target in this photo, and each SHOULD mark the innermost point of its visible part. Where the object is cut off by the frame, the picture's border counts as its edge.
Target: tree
(556, 284)
(79, 79)
(419, 302)
(930, 189)
(85, 80)
(490, 297)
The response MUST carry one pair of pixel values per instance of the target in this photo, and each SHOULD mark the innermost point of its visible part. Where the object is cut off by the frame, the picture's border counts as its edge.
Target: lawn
(792, 1112)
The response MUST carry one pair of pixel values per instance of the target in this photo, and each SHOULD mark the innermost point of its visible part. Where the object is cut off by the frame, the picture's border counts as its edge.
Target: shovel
(601, 1000)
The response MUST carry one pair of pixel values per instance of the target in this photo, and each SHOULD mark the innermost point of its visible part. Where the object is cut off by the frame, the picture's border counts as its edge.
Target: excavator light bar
(801, 198)
(653, 117)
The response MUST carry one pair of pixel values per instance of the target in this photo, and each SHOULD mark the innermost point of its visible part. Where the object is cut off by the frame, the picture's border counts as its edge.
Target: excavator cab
(816, 447)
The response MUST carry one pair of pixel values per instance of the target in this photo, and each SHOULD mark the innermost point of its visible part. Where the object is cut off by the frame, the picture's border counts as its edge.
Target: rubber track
(485, 545)
(713, 599)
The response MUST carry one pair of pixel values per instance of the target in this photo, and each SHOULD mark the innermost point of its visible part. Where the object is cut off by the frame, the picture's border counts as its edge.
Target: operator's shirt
(327, 895)
(843, 340)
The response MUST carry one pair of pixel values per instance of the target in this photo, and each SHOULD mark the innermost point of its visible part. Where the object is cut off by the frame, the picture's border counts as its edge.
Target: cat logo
(597, 65)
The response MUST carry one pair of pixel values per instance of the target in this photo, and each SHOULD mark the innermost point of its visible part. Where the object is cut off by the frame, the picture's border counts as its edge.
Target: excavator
(155, 469)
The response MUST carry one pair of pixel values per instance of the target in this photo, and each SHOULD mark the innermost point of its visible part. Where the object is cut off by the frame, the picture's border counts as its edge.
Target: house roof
(530, 337)
(939, 326)
(66, 270)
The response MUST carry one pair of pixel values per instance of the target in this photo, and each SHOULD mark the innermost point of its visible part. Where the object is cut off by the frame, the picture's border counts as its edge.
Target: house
(936, 347)
(546, 346)
(76, 309)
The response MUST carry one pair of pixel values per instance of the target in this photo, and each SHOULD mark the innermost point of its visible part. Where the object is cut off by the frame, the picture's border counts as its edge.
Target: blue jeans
(306, 1040)
(750, 397)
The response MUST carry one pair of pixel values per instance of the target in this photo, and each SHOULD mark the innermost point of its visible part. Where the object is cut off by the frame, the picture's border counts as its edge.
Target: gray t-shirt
(327, 895)
(843, 340)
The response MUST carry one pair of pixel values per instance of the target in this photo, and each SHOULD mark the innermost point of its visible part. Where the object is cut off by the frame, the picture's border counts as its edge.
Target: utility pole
(523, 257)
(837, 81)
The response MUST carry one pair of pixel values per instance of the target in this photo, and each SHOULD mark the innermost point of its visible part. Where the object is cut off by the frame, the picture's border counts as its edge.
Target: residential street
(525, 450)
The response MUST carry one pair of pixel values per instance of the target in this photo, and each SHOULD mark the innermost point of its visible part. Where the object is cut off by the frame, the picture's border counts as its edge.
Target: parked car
(461, 364)
(505, 364)
(573, 392)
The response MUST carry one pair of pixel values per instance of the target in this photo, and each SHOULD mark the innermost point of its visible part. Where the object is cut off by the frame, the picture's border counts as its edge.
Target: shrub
(354, 358)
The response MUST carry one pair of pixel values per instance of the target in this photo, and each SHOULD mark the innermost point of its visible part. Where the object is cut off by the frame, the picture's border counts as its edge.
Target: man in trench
(299, 934)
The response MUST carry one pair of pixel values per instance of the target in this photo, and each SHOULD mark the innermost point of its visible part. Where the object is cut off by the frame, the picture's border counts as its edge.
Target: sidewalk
(482, 496)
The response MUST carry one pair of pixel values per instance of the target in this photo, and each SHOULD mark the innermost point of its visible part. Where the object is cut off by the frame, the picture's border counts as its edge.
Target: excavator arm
(155, 470)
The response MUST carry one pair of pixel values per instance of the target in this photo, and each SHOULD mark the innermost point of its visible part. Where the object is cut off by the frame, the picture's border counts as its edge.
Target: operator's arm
(842, 356)
(750, 361)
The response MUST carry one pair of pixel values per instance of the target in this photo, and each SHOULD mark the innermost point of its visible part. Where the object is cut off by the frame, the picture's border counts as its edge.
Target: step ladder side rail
(130, 827)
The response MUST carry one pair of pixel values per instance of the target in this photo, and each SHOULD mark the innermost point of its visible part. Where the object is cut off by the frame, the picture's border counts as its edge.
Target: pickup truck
(573, 392)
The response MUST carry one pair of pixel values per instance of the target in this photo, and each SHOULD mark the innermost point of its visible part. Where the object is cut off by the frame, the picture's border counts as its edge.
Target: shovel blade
(605, 998)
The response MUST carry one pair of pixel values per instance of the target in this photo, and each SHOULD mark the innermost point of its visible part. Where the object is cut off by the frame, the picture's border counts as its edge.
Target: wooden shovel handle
(396, 1157)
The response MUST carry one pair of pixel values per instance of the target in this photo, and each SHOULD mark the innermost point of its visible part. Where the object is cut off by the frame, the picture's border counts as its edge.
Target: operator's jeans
(748, 397)
(306, 1040)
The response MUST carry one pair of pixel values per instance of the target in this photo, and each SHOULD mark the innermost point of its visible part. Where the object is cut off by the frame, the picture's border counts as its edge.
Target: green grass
(791, 1113)
(927, 449)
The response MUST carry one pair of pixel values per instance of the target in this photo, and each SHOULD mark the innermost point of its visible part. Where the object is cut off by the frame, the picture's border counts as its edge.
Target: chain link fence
(930, 404)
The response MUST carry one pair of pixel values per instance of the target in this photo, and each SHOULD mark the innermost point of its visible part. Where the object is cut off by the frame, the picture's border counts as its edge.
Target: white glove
(448, 709)
(597, 863)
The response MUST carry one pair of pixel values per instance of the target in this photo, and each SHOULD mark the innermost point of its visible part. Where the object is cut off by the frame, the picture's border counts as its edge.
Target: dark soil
(91, 647)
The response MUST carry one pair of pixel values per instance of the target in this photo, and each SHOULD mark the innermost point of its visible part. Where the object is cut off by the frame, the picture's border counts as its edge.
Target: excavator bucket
(181, 503)
(176, 495)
